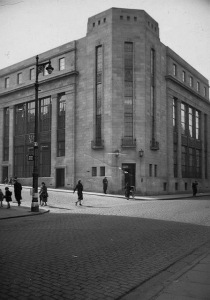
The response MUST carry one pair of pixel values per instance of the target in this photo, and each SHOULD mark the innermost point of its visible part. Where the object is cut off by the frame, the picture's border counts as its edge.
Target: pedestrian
(79, 188)
(43, 194)
(10, 181)
(127, 190)
(1, 198)
(17, 191)
(194, 188)
(6, 180)
(8, 196)
(105, 184)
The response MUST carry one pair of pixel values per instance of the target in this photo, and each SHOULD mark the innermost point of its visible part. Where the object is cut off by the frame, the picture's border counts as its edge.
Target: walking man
(17, 191)
(79, 188)
(194, 188)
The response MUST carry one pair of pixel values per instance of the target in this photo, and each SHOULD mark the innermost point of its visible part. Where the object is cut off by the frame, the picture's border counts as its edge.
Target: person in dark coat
(79, 188)
(43, 194)
(17, 190)
(105, 184)
(127, 190)
(8, 196)
(194, 188)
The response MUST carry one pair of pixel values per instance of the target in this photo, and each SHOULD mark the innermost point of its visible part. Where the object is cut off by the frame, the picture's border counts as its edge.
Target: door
(60, 177)
(129, 171)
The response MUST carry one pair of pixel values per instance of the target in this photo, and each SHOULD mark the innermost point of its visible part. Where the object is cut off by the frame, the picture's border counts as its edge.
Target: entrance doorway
(4, 173)
(129, 171)
(60, 177)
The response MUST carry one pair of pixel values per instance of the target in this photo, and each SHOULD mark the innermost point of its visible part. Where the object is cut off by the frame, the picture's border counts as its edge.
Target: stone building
(119, 104)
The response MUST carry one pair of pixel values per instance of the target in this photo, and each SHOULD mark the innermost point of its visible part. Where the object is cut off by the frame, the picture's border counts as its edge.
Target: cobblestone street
(102, 250)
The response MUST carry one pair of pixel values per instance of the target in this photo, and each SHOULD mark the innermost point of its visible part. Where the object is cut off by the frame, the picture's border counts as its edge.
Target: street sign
(30, 157)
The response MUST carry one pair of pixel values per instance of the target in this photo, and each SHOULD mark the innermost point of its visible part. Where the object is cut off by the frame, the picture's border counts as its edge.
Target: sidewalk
(187, 279)
(18, 211)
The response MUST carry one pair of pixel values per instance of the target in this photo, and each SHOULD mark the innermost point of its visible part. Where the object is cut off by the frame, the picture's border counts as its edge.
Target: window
(164, 186)
(150, 170)
(6, 135)
(32, 74)
(204, 91)
(94, 171)
(7, 82)
(197, 124)
(135, 19)
(19, 78)
(45, 114)
(128, 18)
(183, 119)
(45, 159)
(102, 171)
(98, 100)
(30, 117)
(62, 63)
(61, 124)
(128, 92)
(198, 86)
(174, 70)
(99, 22)
(191, 81)
(155, 170)
(183, 76)
(175, 114)
(190, 121)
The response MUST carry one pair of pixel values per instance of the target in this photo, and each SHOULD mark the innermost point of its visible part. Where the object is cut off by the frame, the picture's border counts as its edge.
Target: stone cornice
(47, 79)
(170, 77)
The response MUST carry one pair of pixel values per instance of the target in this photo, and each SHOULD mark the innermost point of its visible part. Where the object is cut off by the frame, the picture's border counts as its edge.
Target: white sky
(30, 27)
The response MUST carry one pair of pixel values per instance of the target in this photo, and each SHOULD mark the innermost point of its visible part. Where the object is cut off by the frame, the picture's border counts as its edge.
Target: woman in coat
(43, 194)
(8, 196)
(79, 188)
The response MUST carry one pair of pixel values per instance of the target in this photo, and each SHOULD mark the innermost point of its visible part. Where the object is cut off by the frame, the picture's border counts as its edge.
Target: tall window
(99, 72)
(197, 125)
(62, 63)
(61, 117)
(175, 115)
(206, 146)
(24, 121)
(6, 135)
(191, 145)
(175, 139)
(30, 125)
(45, 114)
(190, 121)
(128, 92)
(183, 118)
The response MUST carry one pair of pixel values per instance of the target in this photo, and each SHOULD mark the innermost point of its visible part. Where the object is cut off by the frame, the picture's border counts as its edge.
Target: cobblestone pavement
(101, 250)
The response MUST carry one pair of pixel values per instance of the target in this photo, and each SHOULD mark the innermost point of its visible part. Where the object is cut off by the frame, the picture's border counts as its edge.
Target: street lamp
(39, 69)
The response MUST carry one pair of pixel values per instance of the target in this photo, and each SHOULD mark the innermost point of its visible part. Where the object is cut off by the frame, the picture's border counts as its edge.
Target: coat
(8, 196)
(17, 190)
(79, 188)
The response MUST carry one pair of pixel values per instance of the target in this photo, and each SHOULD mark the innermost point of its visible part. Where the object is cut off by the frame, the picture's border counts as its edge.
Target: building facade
(119, 104)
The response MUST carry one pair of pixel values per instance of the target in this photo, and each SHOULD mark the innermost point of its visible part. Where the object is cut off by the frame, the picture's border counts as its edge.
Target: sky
(30, 27)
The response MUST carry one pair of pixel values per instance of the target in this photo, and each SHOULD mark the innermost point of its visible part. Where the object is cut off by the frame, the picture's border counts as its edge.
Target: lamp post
(39, 69)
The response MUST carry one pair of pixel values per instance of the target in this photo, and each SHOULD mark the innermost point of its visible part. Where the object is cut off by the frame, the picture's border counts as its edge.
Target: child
(1, 198)
(8, 196)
